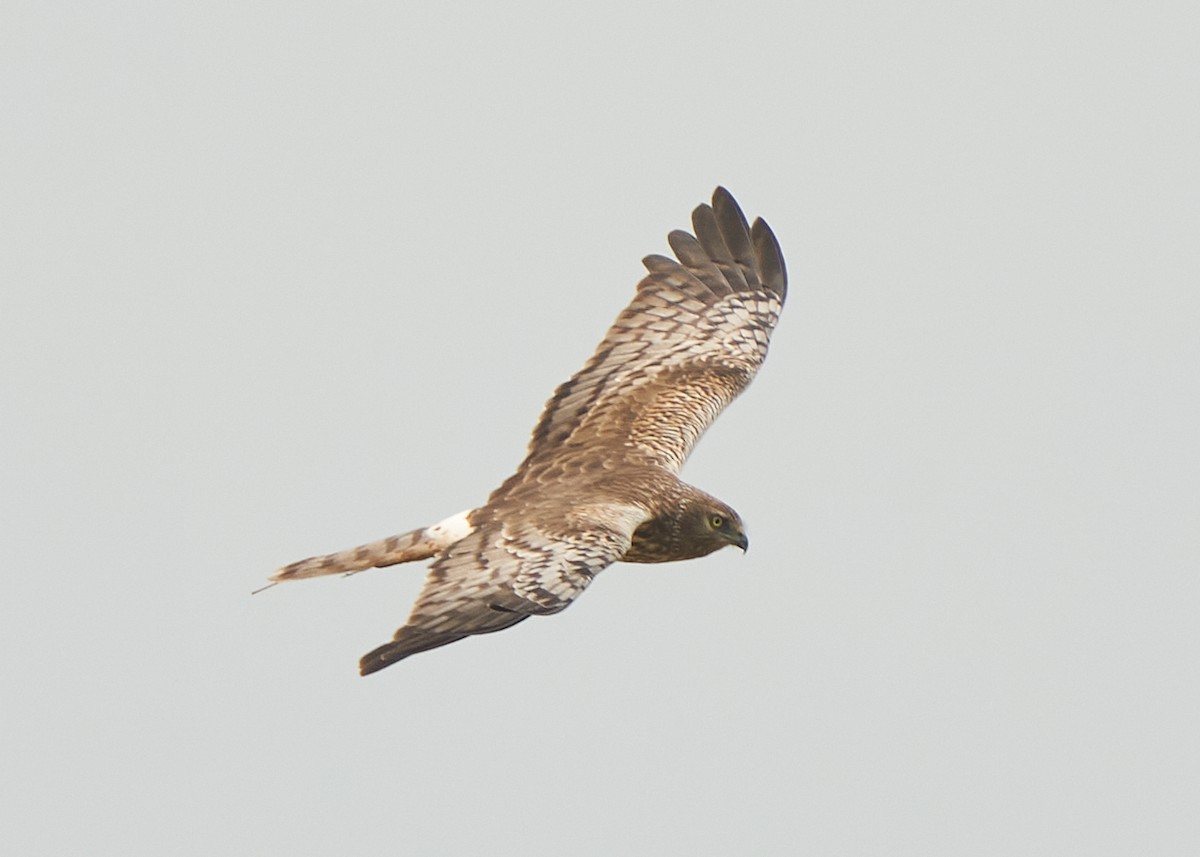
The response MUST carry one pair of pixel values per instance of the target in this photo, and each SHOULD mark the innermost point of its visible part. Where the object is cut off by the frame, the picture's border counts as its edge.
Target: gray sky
(280, 280)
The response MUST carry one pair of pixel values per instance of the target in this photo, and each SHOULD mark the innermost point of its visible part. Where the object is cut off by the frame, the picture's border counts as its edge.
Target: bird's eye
(716, 521)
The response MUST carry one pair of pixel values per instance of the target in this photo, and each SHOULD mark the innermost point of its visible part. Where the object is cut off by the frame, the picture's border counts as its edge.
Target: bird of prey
(600, 481)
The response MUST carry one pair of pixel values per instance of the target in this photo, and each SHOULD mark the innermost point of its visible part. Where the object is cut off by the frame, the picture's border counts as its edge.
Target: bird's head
(713, 525)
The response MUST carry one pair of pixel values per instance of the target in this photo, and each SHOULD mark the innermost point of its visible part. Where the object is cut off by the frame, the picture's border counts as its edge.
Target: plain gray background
(282, 278)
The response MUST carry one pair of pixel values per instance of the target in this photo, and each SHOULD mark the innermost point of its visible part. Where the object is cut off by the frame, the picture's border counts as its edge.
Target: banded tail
(406, 547)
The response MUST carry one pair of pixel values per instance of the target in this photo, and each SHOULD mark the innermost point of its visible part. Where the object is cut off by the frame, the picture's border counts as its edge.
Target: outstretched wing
(691, 340)
(503, 573)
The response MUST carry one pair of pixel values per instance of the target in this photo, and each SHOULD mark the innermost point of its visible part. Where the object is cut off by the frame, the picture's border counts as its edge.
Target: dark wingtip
(767, 259)
(377, 659)
(727, 208)
(383, 656)
(409, 641)
(770, 258)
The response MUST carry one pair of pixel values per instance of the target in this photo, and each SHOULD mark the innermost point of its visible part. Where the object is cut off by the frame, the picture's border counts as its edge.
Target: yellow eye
(716, 521)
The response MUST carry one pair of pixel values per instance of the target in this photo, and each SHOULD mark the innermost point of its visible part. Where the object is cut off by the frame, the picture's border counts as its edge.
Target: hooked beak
(742, 542)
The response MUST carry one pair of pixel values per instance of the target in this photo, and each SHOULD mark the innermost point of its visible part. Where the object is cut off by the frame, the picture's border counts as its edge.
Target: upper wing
(502, 573)
(691, 340)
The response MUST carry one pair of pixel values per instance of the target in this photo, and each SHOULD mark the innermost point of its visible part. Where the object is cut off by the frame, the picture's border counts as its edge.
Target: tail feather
(389, 551)
(406, 547)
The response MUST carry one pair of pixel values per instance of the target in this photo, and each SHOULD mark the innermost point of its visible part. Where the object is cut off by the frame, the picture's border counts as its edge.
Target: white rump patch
(447, 532)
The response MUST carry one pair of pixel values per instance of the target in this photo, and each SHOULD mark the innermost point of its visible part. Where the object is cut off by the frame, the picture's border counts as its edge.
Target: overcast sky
(282, 278)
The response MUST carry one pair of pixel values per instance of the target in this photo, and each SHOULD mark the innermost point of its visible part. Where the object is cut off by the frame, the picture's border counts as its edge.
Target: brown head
(695, 527)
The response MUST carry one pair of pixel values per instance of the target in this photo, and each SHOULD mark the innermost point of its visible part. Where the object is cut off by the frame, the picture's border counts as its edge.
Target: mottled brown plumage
(600, 480)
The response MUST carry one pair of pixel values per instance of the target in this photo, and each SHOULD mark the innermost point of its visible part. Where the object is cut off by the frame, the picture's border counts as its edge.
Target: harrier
(600, 480)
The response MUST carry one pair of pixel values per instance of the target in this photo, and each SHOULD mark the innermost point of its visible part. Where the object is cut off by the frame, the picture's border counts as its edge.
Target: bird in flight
(600, 480)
